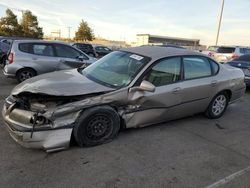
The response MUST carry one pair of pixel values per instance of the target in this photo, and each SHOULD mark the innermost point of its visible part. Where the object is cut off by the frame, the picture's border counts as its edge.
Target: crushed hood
(61, 83)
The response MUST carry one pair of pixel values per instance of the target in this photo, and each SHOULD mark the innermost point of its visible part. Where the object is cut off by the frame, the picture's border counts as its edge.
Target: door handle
(176, 90)
(34, 58)
(214, 82)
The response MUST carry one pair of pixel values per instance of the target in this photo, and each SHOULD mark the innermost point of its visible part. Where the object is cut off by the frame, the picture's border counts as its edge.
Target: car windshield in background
(225, 50)
(117, 69)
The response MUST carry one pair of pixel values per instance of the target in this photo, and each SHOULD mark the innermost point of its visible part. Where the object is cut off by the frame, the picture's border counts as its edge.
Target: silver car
(130, 88)
(29, 58)
(224, 54)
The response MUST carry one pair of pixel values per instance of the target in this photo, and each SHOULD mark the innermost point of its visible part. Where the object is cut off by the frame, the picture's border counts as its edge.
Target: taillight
(235, 56)
(11, 58)
(210, 54)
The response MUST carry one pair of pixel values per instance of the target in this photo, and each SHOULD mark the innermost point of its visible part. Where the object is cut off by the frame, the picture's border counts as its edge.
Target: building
(147, 39)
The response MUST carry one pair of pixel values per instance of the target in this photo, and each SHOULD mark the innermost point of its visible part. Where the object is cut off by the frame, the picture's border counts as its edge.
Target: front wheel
(96, 126)
(218, 106)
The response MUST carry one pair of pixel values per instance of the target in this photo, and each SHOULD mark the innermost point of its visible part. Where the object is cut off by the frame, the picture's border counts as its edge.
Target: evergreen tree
(30, 27)
(9, 25)
(84, 32)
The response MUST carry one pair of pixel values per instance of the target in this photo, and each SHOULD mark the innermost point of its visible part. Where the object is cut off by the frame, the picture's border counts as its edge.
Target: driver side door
(68, 57)
(146, 108)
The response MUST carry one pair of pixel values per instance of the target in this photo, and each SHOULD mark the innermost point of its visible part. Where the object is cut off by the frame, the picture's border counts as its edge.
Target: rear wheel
(25, 74)
(96, 126)
(218, 106)
(3, 61)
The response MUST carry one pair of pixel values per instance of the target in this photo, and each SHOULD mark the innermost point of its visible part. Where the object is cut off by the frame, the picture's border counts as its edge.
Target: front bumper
(47, 138)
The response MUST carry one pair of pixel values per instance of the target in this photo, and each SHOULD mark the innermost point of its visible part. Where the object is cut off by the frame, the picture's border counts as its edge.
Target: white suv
(224, 54)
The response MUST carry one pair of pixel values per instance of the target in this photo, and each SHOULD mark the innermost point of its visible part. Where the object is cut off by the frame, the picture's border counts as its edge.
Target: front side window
(196, 67)
(165, 72)
(67, 51)
(116, 70)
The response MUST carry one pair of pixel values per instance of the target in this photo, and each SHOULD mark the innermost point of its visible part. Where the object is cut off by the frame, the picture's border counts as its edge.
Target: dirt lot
(192, 152)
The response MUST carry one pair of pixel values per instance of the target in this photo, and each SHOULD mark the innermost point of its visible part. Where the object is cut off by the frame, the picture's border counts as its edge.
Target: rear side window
(37, 49)
(226, 50)
(196, 67)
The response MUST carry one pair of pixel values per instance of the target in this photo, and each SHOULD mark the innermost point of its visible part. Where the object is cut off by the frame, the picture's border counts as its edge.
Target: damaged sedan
(130, 88)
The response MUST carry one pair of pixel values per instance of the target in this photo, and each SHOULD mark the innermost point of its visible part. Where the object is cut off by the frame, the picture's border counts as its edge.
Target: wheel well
(26, 68)
(229, 93)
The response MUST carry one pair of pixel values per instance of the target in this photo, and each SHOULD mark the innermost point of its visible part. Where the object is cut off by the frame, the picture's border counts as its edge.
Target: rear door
(40, 56)
(199, 83)
(69, 57)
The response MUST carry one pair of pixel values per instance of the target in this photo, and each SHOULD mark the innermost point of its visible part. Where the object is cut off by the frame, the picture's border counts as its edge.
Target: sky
(122, 20)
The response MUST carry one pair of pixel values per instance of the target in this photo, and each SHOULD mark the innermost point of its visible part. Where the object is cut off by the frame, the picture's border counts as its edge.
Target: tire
(97, 125)
(217, 106)
(25, 74)
(3, 61)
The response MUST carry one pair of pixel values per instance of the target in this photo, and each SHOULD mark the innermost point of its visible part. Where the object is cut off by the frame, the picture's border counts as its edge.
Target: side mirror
(145, 86)
(81, 57)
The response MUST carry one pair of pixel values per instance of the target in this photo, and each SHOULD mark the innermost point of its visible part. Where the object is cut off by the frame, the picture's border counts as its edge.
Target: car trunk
(224, 54)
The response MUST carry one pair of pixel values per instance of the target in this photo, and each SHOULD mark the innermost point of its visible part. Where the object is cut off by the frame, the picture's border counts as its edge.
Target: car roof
(40, 41)
(156, 52)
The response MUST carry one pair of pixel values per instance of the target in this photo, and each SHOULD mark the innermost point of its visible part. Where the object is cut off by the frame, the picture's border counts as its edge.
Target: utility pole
(218, 31)
(69, 32)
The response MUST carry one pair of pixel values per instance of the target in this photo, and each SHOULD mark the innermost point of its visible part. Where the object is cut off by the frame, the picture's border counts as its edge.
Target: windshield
(116, 69)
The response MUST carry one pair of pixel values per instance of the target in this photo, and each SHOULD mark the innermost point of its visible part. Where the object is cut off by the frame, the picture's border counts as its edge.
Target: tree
(84, 32)
(9, 25)
(30, 26)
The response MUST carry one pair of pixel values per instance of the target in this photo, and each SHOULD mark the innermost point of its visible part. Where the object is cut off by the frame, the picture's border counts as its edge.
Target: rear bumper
(48, 139)
(7, 74)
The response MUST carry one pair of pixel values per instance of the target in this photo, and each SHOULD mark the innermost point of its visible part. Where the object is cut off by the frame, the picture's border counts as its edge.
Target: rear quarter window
(215, 67)
(25, 47)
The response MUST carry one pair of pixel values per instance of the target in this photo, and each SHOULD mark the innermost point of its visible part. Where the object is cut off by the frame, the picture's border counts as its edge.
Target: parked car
(101, 51)
(223, 54)
(243, 62)
(86, 48)
(134, 87)
(4, 48)
(28, 58)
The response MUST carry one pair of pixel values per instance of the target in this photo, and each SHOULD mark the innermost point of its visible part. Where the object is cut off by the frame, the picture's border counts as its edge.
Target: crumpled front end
(27, 126)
